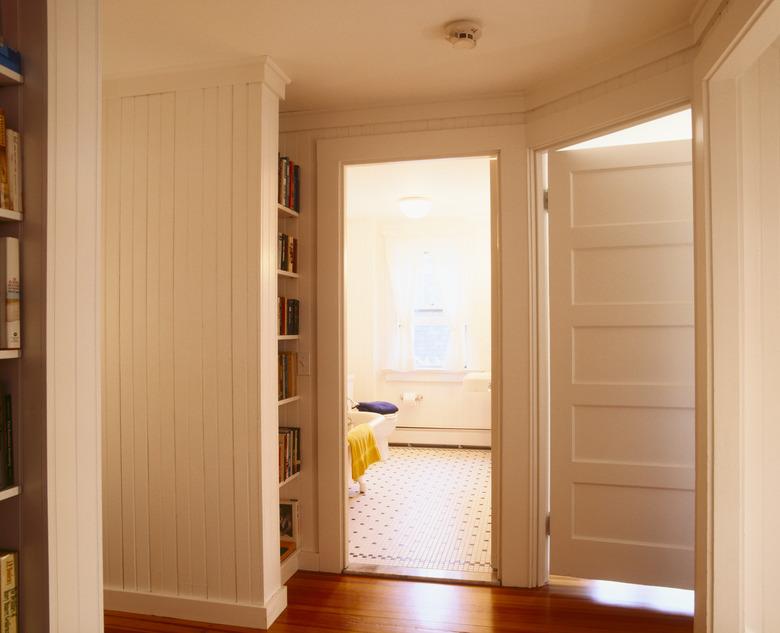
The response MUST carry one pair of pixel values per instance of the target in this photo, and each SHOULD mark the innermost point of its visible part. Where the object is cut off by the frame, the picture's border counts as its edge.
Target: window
(431, 328)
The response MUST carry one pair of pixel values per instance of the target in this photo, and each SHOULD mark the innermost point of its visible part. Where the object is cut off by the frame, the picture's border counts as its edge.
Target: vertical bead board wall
(190, 413)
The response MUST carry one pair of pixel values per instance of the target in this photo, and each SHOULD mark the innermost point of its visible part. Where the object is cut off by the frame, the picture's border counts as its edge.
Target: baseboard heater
(419, 445)
(434, 429)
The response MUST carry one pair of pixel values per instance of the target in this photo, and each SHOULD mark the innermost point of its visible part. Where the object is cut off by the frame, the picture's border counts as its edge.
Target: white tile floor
(425, 508)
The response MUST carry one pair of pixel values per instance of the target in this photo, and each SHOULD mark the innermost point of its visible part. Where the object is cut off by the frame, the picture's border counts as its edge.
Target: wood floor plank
(327, 603)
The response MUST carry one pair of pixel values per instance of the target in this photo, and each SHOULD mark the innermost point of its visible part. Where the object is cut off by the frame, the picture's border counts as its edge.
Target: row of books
(9, 595)
(288, 313)
(288, 253)
(10, 167)
(10, 294)
(289, 184)
(289, 452)
(288, 375)
(7, 475)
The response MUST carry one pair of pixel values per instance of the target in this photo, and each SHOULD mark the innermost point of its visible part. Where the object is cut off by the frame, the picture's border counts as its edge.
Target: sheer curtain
(407, 267)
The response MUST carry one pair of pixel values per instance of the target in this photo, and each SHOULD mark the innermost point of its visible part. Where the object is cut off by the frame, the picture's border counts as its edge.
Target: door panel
(622, 364)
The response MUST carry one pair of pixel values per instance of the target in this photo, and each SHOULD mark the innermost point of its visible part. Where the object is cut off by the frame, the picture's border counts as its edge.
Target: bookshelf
(288, 338)
(23, 501)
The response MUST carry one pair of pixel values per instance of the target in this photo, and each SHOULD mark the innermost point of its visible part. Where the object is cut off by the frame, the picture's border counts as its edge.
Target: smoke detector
(463, 33)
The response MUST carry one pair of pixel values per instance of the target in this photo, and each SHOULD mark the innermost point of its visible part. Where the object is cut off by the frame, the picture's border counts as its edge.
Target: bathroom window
(431, 327)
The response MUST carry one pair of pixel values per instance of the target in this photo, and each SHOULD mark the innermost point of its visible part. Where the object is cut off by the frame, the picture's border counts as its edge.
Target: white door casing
(622, 364)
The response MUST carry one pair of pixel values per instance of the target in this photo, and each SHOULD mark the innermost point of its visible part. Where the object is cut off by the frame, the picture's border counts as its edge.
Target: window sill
(427, 375)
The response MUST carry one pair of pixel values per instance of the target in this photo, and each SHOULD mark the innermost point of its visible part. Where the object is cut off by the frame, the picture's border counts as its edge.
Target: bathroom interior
(418, 338)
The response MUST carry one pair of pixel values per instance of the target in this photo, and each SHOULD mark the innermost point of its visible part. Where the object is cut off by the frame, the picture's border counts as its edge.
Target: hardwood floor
(325, 603)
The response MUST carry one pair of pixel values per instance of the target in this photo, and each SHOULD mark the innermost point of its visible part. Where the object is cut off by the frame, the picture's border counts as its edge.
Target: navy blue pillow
(385, 408)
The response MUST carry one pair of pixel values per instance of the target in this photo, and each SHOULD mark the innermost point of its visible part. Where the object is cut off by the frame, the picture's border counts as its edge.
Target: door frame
(726, 314)
(541, 316)
(506, 143)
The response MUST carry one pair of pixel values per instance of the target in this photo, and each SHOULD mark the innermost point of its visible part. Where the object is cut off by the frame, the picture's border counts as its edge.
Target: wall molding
(210, 611)
(260, 70)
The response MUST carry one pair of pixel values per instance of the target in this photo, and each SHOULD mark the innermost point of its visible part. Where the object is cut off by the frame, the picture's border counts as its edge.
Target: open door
(622, 364)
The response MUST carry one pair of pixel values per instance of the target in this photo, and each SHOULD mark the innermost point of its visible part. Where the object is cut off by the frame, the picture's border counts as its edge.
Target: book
(288, 379)
(9, 599)
(5, 189)
(6, 445)
(10, 294)
(14, 153)
(292, 316)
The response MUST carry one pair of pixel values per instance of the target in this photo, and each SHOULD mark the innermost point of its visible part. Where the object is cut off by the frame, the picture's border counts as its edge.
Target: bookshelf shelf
(289, 337)
(284, 273)
(10, 493)
(289, 400)
(12, 216)
(286, 212)
(10, 353)
(9, 77)
(289, 479)
(289, 566)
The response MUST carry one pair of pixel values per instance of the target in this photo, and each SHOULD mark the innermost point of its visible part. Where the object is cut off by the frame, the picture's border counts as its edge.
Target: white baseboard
(441, 437)
(310, 561)
(197, 609)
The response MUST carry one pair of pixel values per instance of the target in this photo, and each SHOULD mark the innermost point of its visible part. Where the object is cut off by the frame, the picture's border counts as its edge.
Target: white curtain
(400, 255)
(405, 256)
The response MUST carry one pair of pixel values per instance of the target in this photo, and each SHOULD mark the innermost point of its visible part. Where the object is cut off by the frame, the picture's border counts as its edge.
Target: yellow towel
(362, 447)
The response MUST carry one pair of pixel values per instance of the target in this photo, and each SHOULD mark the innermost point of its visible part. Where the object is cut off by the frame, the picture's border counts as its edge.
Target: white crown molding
(669, 46)
(703, 15)
(315, 120)
(258, 70)
(575, 81)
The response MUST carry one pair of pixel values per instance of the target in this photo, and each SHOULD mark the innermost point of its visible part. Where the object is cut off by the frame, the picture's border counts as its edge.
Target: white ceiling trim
(260, 69)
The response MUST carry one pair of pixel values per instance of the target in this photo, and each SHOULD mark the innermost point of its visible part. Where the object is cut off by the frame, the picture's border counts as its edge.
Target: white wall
(446, 414)
(189, 384)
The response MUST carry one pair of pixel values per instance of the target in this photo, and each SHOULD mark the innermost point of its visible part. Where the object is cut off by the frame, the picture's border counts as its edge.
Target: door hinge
(546, 201)
(547, 524)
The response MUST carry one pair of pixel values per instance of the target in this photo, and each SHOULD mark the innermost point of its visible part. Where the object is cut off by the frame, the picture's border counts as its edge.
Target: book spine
(290, 167)
(12, 284)
(8, 430)
(14, 143)
(297, 188)
(5, 189)
(9, 622)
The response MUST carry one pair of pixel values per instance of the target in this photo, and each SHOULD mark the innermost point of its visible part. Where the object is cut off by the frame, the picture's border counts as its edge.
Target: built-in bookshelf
(288, 338)
(23, 159)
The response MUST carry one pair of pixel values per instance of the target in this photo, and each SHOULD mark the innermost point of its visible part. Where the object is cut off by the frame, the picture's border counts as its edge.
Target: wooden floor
(328, 603)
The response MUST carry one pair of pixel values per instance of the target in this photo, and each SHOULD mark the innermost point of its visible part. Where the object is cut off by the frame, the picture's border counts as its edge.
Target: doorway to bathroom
(417, 315)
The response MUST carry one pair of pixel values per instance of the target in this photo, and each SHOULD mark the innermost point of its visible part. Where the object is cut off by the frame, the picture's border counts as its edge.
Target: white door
(622, 364)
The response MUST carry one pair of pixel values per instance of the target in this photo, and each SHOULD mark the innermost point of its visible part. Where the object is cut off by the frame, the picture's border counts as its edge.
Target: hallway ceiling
(344, 54)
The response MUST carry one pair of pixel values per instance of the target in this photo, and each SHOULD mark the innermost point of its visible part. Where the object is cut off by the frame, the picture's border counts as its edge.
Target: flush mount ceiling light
(463, 33)
(415, 206)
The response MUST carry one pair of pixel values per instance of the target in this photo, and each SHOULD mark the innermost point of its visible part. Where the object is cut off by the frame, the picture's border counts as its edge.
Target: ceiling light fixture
(463, 33)
(415, 207)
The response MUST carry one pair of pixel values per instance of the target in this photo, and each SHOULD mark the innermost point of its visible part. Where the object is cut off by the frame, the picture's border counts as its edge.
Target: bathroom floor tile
(425, 508)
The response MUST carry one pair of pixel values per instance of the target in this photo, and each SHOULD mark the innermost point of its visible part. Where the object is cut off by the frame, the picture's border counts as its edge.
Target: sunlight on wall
(674, 127)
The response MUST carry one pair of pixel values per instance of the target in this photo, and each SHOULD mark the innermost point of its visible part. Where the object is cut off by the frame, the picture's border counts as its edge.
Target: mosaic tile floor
(425, 508)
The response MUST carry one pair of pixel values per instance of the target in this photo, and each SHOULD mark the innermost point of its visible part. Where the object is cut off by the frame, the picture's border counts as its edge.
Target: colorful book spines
(288, 316)
(288, 375)
(9, 599)
(10, 291)
(10, 167)
(288, 253)
(289, 184)
(289, 452)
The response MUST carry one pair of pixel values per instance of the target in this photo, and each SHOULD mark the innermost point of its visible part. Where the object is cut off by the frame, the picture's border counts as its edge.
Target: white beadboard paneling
(73, 229)
(184, 416)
